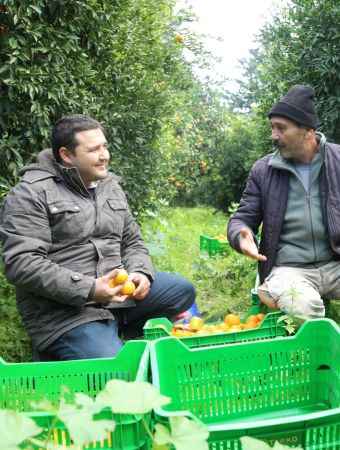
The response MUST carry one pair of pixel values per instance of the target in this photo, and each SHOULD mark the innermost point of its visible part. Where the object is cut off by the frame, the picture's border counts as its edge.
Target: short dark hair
(64, 131)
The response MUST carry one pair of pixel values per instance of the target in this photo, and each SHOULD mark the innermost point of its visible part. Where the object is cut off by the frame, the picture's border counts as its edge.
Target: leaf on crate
(249, 443)
(137, 397)
(185, 434)
(15, 428)
(80, 424)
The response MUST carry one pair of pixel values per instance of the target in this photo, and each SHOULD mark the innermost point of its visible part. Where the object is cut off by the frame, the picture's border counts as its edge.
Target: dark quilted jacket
(264, 202)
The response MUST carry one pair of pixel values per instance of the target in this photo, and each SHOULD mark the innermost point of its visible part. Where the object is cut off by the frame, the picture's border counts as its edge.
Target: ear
(311, 133)
(66, 156)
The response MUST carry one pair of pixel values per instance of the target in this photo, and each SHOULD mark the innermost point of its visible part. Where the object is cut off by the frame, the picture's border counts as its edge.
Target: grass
(223, 283)
(14, 342)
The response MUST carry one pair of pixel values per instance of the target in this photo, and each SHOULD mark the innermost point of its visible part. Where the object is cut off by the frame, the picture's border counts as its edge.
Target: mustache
(277, 144)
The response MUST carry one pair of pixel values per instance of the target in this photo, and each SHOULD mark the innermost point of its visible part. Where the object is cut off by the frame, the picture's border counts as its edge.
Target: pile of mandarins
(231, 324)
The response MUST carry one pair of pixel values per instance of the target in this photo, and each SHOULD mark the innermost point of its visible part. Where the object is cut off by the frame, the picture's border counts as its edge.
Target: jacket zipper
(311, 224)
(310, 211)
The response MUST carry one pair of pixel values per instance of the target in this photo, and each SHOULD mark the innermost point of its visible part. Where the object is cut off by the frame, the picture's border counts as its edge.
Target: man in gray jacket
(66, 228)
(295, 194)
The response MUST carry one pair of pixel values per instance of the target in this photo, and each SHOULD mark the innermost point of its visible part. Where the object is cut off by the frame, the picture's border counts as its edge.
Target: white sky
(236, 22)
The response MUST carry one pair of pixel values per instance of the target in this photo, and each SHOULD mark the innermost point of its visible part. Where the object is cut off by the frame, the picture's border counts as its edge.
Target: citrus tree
(119, 61)
(299, 45)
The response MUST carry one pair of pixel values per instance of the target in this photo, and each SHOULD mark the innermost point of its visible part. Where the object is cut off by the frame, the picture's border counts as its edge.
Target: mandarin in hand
(120, 278)
(128, 288)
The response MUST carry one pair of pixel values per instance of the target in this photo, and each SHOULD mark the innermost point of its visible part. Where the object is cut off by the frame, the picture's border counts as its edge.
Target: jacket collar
(46, 165)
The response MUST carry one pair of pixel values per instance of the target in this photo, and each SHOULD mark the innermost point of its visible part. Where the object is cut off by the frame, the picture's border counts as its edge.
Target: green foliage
(141, 399)
(119, 61)
(216, 148)
(15, 428)
(223, 283)
(229, 161)
(78, 413)
(249, 443)
(185, 434)
(14, 343)
(300, 45)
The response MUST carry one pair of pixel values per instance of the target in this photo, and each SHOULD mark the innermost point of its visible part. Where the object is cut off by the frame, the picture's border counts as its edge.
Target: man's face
(91, 156)
(288, 137)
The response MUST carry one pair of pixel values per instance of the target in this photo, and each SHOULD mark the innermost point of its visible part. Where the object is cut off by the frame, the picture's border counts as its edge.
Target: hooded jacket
(264, 201)
(57, 239)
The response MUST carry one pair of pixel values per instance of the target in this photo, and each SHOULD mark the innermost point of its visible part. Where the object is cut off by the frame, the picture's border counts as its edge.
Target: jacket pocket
(66, 219)
(117, 204)
(117, 210)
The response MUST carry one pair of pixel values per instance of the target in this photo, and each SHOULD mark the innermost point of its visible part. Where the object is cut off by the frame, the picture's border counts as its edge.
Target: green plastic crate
(285, 389)
(269, 328)
(22, 383)
(212, 246)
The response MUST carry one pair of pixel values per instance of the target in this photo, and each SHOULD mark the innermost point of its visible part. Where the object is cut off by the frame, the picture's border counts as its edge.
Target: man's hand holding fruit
(118, 285)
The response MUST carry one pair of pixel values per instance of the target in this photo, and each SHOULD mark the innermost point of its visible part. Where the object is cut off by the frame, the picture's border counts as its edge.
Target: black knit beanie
(297, 105)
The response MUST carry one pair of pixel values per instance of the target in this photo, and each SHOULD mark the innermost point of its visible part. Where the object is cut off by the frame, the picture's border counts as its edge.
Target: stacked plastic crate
(24, 383)
(285, 389)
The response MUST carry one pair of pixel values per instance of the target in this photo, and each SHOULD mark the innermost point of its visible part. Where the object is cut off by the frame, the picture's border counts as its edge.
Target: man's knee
(174, 289)
(188, 292)
(266, 298)
(97, 339)
(303, 301)
(292, 294)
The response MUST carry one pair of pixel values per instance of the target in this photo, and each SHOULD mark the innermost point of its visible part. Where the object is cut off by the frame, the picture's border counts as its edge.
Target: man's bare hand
(248, 246)
(142, 283)
(106, 294)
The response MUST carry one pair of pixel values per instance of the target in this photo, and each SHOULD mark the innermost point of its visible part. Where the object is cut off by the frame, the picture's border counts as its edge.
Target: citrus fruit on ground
(251, 322)
(196, 323)
(232, 319)
(235, 328)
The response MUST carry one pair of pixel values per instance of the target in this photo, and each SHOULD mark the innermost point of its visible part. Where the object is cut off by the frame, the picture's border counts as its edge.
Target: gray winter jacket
(57, 239)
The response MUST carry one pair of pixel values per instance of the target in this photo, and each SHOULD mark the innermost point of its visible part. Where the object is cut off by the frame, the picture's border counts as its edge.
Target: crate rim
(148, 326)
(131, 343)
(282, 338)
(251, 425)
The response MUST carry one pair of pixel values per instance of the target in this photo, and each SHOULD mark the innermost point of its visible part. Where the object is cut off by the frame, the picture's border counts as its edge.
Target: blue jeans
(170, 294)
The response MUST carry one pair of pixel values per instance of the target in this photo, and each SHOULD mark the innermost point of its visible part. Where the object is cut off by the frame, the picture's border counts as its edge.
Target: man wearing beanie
(294, 193)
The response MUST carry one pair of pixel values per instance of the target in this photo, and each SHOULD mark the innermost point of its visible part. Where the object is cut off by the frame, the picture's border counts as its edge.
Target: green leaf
(87, 403)
(278, 446)
(80, 424)
(185, 434)
(159, 447)
(12, 42)
(249, 443)
(137, 397)
(162, 435)
(44, 405)
(36, 9)
(15, 428)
